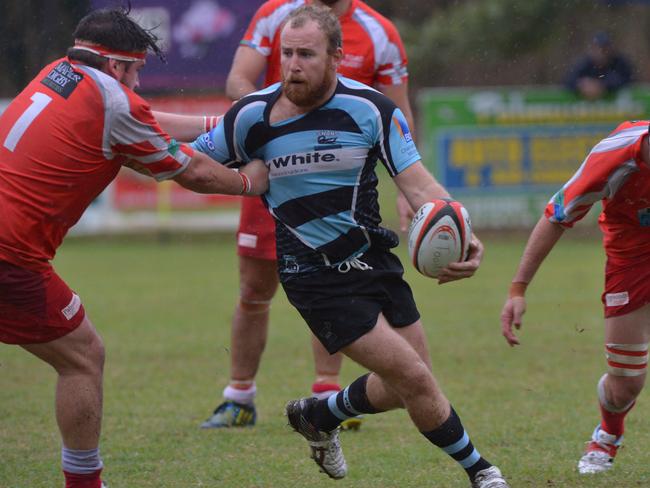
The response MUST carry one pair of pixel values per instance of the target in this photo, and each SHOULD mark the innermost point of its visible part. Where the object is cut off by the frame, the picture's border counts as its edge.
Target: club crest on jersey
(402, 128)
(326, 139)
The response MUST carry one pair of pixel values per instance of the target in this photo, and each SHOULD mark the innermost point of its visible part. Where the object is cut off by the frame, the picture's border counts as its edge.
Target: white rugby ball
(439, 234)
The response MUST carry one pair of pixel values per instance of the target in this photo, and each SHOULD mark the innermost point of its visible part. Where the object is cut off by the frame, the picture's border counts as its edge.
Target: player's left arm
(540, 243)
(186, 128)
(399, 95)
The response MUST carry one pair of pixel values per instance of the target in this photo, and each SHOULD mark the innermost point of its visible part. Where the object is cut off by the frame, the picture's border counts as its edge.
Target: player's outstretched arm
(542, 239)
(186, 128)
(204, 175)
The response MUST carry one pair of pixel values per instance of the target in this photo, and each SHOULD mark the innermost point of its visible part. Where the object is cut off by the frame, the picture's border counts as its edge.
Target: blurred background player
(63, 140)
(374, 55)
(334, 258)
(601, 71)
(616, 171)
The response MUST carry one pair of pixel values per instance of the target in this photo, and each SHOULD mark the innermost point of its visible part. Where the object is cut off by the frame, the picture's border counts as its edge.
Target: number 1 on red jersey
(39, 102)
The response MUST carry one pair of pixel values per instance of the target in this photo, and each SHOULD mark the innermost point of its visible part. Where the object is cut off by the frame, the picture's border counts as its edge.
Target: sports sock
(452, 438)
(73, 480)
(81, 468)
(328, 413)
(613, 422)
(324, 390)
(612, 418)
(239, 392)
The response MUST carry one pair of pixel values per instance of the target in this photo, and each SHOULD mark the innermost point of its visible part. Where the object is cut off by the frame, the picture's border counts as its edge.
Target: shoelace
(355, 263)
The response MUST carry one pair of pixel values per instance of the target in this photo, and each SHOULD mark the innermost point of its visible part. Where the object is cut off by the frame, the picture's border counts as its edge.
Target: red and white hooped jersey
(63, 139)
(373, 52)
(615, 173)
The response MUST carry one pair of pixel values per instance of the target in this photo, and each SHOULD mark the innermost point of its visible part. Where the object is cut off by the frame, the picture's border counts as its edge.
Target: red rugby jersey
(372, 48)
(615, 173)
(62, 141)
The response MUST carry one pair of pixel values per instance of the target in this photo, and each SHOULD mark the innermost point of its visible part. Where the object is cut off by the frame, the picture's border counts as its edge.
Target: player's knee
(624, 390)
(93, 360)
(416, 381)
(85, 358)
(254, 289)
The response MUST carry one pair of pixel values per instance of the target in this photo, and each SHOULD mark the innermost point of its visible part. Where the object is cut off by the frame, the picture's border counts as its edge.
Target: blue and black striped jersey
(322, 169)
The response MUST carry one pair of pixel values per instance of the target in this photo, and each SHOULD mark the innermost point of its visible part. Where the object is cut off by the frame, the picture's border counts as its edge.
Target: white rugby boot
(490, 478)
(325, 446)
(600, 452)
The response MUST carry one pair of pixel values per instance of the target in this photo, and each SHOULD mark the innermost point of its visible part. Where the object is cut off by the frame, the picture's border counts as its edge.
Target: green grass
(164, 312)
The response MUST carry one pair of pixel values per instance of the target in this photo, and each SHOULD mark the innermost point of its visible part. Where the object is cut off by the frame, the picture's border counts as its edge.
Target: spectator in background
(601, 72)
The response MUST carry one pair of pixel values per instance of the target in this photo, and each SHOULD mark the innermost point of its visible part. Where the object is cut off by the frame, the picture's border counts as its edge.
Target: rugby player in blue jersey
(321, 136)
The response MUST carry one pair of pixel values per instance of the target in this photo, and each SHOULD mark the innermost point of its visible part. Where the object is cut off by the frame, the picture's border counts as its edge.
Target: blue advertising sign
(199, 38)
(518, 158)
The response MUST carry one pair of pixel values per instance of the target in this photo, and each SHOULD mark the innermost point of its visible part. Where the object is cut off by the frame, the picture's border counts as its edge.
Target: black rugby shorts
(341, 307)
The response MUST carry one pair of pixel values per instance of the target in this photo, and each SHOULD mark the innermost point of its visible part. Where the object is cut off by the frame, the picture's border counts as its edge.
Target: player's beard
(304, 95)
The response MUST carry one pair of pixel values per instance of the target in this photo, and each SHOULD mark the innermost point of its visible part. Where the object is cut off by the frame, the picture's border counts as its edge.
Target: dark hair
(112, 28)
(326, 20)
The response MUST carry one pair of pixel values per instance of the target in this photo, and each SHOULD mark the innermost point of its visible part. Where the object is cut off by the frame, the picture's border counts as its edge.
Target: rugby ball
(439, 234)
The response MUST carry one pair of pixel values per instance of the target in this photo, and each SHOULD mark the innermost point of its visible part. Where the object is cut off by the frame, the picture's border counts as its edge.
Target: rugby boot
(325, 446)
(489, 478)
(231, 414)
(600, 452)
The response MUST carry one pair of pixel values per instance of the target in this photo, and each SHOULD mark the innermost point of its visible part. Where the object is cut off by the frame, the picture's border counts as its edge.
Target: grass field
(164, 310)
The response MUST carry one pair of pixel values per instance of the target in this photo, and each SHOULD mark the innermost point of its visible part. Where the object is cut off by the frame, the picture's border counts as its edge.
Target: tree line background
(449, 42)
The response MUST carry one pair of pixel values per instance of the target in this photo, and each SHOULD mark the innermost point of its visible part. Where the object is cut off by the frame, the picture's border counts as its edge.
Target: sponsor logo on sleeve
(63, 79)
(402, 128)
(208, 141)
(558, 206)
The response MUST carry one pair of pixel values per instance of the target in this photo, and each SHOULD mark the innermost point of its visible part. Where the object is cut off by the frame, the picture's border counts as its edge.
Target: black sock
(327, 414)
(452, 438)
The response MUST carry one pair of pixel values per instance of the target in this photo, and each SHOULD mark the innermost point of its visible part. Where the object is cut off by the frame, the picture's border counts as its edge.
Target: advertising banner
(505, 151)
(199, 38)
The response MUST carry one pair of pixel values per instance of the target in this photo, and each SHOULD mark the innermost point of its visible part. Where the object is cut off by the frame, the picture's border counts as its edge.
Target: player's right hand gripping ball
(439, 234)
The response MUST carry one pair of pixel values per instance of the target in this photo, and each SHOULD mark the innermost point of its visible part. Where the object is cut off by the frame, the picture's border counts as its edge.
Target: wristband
(210, 122)
(517, 289)
(245, 183)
